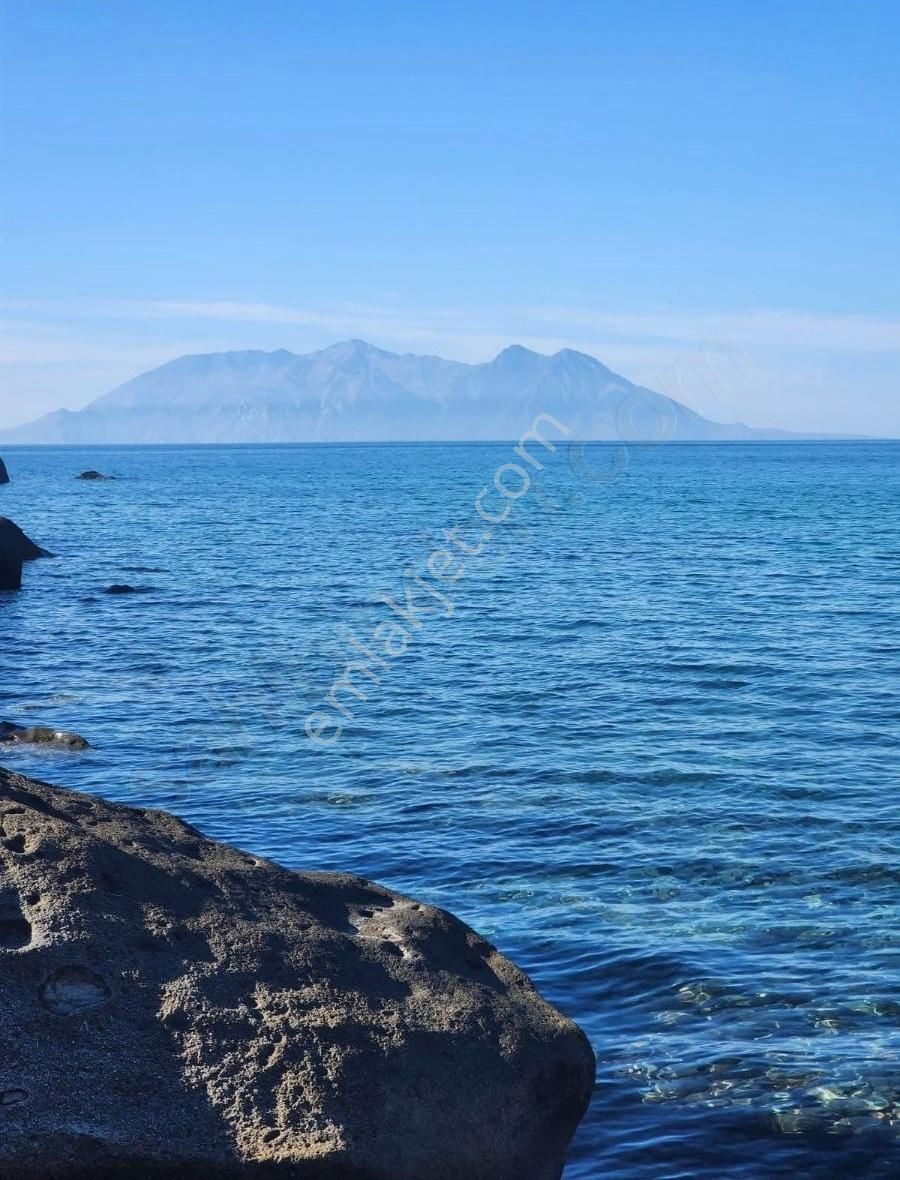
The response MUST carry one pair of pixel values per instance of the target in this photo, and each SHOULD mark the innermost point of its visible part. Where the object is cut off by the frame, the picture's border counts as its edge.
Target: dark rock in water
(14, 543)
(40, 735)
(4, 474)
(10, 570)
(15, 548)
(178, 1008)
(124, 588)
(93, 475)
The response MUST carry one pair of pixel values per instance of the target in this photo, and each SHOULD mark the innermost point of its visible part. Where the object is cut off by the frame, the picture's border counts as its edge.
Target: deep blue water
(653, 753)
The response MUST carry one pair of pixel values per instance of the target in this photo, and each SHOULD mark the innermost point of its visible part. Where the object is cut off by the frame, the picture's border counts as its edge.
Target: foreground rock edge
(174, 1006)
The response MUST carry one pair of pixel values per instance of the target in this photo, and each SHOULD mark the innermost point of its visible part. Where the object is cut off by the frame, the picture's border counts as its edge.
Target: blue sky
(626, 178)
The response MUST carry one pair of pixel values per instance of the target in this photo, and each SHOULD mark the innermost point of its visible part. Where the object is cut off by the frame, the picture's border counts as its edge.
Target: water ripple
(652, 754)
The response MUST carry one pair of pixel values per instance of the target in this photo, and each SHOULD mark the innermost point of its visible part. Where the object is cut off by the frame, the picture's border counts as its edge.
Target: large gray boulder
(172, 1007)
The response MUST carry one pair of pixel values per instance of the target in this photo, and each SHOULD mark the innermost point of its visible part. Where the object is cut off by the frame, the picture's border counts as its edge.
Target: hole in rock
(14, 933)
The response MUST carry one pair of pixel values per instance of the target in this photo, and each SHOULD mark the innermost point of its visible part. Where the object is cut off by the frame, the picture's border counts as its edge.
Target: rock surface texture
(172, 1007)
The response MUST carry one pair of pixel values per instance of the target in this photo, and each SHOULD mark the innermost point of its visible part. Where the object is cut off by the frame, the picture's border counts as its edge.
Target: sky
(632, 179)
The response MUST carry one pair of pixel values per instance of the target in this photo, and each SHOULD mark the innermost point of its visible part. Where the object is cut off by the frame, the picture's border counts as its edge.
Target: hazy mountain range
(354, 392)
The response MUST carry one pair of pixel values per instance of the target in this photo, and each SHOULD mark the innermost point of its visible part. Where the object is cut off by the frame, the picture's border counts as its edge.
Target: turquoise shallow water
(653, 752)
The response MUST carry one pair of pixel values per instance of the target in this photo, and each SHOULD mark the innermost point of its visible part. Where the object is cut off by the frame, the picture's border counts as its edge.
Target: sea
(633, 712)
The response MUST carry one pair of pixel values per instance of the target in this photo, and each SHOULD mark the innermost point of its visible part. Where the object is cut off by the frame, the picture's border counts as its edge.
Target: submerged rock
(40, 735)
(184, 1009)
(4, 474)
(123, 588)
(93, 475)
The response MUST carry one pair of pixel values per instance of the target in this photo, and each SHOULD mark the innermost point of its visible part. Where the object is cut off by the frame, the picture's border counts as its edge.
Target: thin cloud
(559, 326)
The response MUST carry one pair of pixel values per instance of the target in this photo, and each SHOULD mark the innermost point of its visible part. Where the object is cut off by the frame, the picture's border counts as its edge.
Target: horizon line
(799, 440)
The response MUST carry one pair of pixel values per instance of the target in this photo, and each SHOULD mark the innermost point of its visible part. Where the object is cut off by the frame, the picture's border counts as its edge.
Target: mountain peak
(571, 359)
(516, 358)
(347, 349)
(566, 353)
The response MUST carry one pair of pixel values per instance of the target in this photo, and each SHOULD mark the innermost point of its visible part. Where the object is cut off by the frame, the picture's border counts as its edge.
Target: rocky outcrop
(15, 548)
(172, 1007)
(14, 543)
(4, 474)
(10, 570)
(40, 735)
